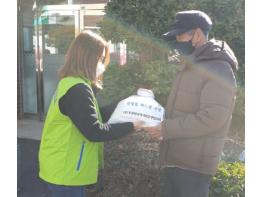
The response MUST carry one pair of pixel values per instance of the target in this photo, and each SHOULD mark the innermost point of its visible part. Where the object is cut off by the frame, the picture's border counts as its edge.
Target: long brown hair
(83, 56)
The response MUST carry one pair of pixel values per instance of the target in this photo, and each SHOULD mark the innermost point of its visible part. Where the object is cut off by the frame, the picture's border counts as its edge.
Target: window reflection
(58, 33)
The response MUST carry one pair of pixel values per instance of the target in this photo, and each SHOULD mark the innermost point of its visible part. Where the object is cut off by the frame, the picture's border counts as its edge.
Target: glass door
(56, 29)
(90, 16)
(29, 72)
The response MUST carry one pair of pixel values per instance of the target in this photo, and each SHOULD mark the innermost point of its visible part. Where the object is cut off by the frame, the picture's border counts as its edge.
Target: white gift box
(139, 107)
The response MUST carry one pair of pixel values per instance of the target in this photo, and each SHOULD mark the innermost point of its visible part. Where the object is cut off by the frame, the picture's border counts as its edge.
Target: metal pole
(20, 53)
(39, 61)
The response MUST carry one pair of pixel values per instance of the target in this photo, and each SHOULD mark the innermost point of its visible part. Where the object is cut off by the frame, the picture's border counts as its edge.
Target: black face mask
(184, 48)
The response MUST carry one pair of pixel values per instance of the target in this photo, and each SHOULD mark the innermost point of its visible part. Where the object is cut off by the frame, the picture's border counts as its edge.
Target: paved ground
(29, 129)
(29, 184)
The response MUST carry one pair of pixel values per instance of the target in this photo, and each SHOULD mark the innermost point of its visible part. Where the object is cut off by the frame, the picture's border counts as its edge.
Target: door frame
(80, 11)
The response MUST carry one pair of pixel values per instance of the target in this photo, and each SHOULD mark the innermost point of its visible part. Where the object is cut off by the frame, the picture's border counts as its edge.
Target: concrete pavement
(29, 129)
(29, 135)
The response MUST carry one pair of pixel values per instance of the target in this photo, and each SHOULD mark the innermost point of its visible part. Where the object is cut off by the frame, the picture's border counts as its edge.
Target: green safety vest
(66, 157)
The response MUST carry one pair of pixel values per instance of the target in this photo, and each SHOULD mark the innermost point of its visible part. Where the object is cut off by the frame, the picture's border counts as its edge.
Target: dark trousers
(67, 191)
(185, 183)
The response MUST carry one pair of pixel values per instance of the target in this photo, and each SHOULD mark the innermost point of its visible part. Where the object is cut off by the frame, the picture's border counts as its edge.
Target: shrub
(141, 23)
(120, 82)
(229, 180)
(237, 130)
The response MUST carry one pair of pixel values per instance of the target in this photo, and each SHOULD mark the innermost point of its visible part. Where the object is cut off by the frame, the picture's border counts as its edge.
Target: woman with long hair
(71, 149)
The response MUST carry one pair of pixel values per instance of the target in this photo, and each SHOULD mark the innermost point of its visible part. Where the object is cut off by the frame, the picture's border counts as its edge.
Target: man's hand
(154, 131)
(138, 125)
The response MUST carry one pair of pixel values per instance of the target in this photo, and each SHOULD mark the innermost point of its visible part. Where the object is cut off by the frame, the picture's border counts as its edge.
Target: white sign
(139, 107)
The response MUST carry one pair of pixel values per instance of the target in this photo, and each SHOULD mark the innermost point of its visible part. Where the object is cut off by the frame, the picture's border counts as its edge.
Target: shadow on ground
(29, 184)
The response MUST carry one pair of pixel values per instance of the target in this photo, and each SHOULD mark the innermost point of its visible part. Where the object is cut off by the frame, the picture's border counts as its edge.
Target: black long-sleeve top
(77, 105)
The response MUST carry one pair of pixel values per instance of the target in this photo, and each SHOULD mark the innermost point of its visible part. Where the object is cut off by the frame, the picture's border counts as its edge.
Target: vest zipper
(81, 154)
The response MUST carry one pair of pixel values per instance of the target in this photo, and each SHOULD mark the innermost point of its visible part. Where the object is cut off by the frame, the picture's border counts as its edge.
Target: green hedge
(120, 82)
(237, 130)
(158, 75)
(141, 23)
(229, 180)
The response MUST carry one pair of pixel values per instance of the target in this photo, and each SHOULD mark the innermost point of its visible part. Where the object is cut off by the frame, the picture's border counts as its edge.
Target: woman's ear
(107, 55)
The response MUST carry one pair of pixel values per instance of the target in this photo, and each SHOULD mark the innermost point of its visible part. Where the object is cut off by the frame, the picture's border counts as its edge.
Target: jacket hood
(216, 50)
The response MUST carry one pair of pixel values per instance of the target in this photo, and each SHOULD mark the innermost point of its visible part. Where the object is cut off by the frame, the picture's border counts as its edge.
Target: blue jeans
(67, 191)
